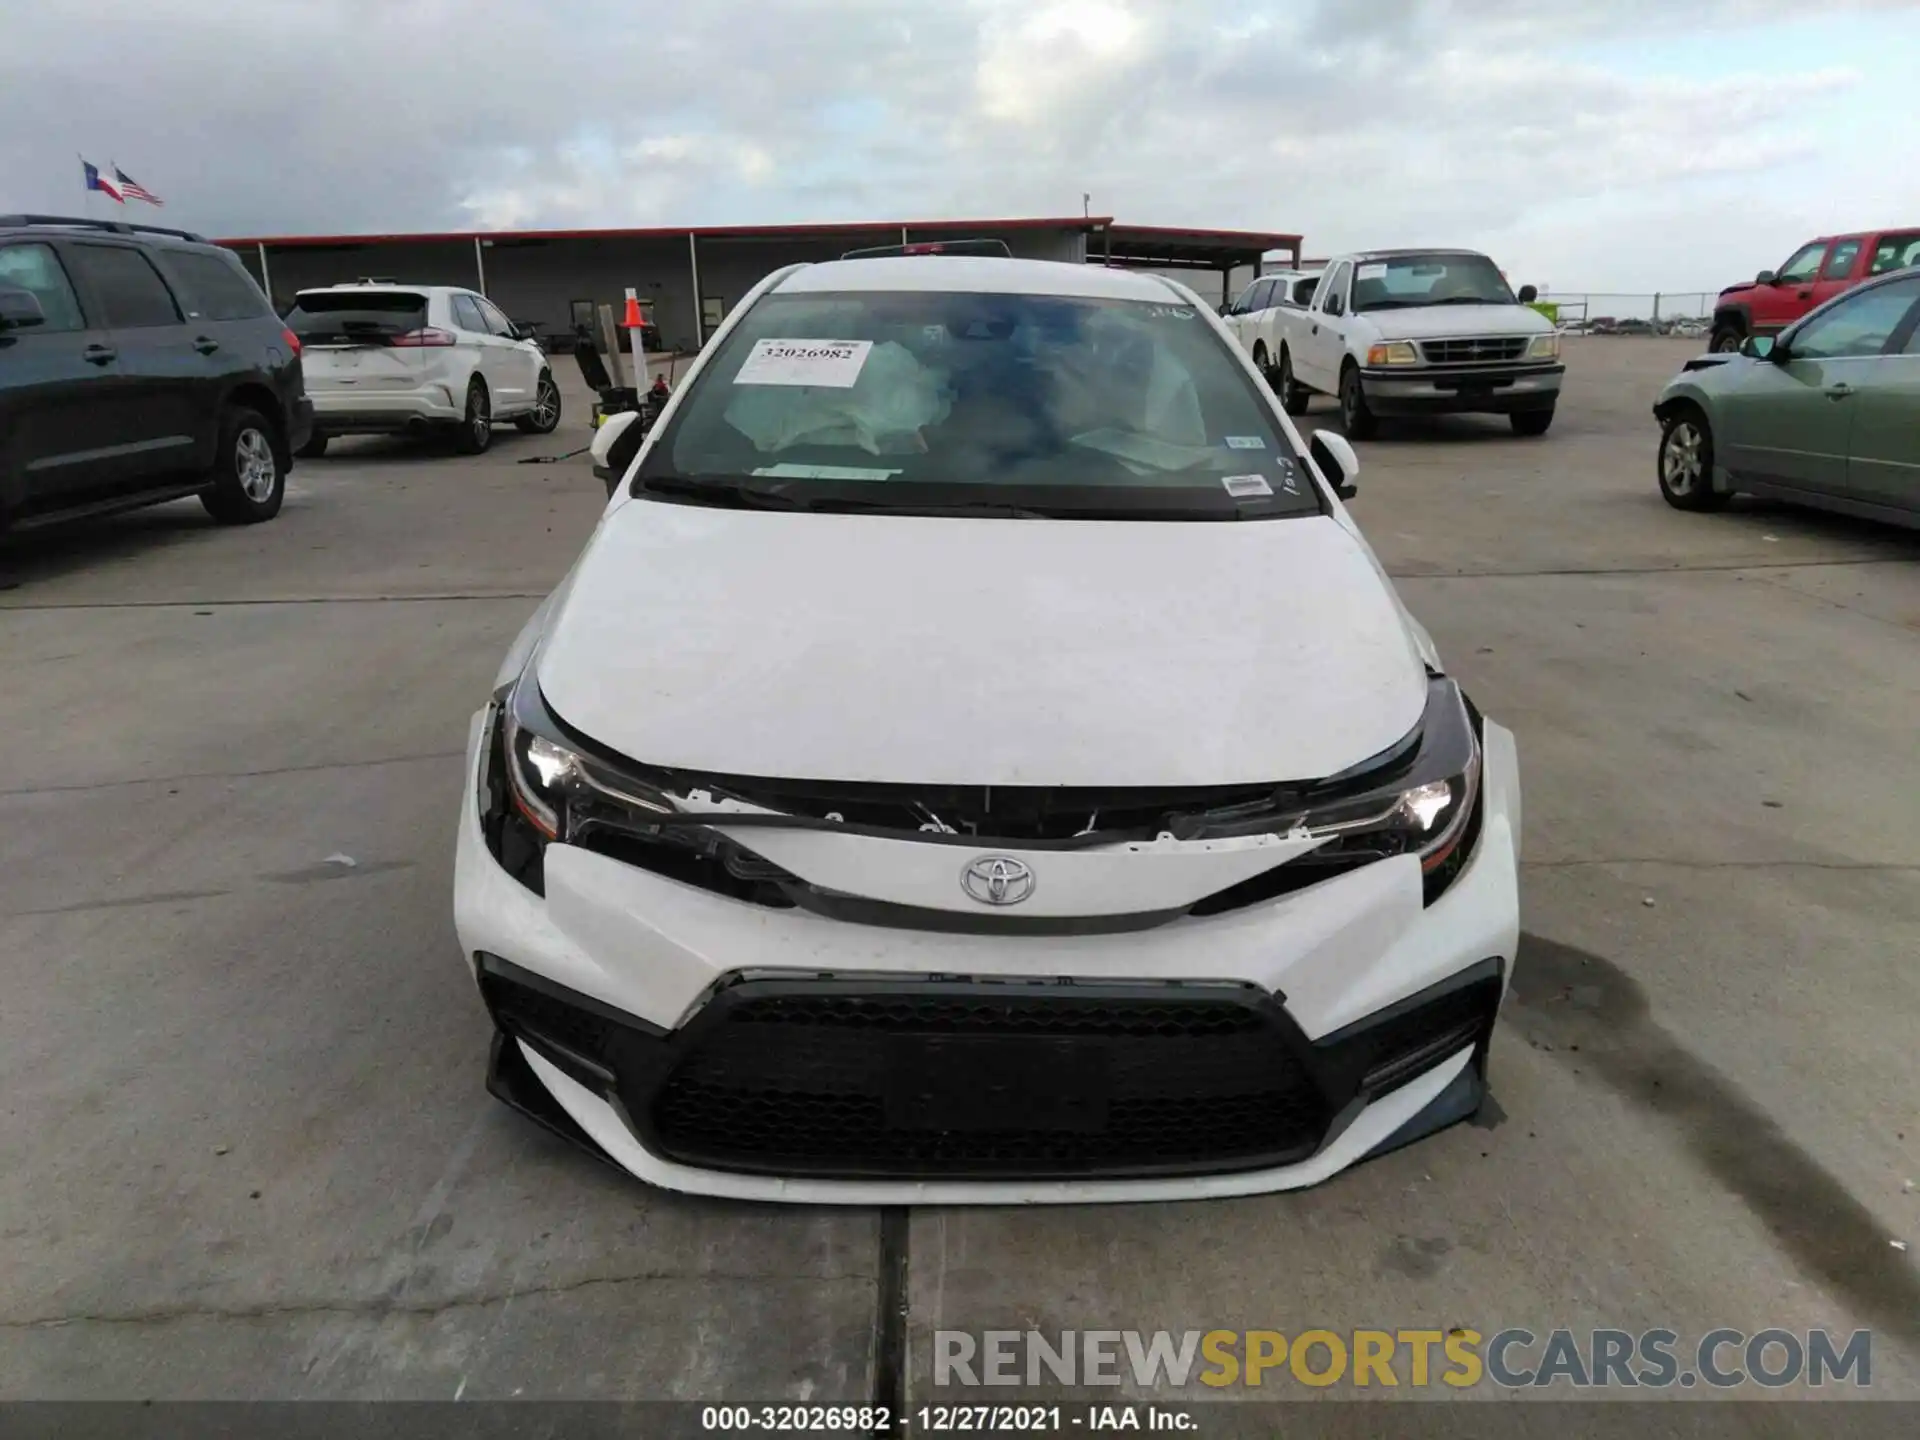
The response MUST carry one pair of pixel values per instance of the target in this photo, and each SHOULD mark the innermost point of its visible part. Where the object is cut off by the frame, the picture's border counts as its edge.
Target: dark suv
(139, 365)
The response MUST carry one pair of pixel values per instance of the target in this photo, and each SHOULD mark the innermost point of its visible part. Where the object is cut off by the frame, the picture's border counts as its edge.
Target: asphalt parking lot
(244, 1146)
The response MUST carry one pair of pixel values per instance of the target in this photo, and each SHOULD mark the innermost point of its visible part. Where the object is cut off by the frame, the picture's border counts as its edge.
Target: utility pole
(1086, 206)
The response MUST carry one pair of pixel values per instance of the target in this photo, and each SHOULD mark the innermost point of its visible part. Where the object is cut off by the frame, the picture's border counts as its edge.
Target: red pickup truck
(1813, 275)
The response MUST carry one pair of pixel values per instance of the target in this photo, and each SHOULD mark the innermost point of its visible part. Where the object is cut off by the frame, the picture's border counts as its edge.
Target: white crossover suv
(977, 758)
(383, 358)
(1255, 314)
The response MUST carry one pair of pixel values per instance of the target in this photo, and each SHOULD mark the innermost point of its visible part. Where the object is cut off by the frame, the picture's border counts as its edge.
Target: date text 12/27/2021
(946, 1419)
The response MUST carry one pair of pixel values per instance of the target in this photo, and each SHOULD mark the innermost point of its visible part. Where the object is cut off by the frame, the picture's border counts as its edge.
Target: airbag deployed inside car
(882, 412)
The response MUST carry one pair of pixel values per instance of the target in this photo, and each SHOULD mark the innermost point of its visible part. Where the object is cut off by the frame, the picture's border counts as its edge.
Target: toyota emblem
(997, 880)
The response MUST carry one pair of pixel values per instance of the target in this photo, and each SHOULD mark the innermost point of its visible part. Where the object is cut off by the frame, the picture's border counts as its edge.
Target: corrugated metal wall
(537, 281)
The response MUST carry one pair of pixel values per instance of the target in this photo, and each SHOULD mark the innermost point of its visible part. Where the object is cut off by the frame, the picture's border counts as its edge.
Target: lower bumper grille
(974, 1079)
(983, 1083)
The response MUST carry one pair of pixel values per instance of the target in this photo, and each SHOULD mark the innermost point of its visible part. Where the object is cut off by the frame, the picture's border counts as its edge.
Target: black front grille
(1473, 352)
(978, 1080)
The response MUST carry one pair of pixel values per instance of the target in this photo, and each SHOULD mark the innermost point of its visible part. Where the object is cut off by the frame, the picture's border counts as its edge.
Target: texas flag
(97, 181)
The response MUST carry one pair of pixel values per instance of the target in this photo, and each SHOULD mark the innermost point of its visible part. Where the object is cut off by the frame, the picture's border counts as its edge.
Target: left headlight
(1544, 347)
(559, 788)
(1420, 798)
(1423, 809)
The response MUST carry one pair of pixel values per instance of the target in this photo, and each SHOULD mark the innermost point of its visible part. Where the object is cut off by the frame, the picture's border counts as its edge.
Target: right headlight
(1544, 347)
(557, 787)
(1393, 352)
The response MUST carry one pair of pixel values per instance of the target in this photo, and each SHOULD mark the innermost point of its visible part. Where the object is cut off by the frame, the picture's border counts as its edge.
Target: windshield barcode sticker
(1245, 442)
(1246, 487)
(835, 364)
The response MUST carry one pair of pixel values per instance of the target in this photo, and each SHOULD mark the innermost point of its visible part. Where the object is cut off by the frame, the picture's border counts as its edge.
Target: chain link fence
(1663, 312)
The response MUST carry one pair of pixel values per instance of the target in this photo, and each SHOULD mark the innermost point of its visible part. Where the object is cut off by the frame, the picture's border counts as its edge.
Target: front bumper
(669, 1028)
(1483, 390)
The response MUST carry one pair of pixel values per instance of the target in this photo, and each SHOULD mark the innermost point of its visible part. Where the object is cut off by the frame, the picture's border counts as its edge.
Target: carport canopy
(1169, 248)
(1161, 247)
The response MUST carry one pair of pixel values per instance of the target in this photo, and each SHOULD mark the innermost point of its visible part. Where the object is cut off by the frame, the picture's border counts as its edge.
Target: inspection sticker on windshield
(834, 364)
(1246, 487)
(1245, 442)
(1371, 272)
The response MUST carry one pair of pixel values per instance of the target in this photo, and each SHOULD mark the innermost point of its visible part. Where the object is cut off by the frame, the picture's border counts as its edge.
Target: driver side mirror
(1333, 457)
(1765, 277)
(1529, 294)
(20, 309)
(1763, 347)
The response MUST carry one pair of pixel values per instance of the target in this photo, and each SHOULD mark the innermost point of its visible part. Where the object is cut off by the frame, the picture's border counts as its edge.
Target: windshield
(904, 401)
(1401, 281)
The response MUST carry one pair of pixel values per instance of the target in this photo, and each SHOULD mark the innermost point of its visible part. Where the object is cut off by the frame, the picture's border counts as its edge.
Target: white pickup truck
(1417, 332)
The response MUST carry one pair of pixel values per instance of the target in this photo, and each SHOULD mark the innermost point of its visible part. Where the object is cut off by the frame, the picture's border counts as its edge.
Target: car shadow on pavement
(41, 555)
(1431, 430)
(1586, 1011)
(1896, 542)
(422, 448)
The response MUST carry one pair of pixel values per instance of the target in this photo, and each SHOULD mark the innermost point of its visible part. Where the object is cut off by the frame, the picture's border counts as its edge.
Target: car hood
(965, 651)
(1707, 374)
(1432, 321)
(1740, 289)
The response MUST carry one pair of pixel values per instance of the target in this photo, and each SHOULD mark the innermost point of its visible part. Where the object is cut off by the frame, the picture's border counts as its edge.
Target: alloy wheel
(254, 465)
(1680, 463)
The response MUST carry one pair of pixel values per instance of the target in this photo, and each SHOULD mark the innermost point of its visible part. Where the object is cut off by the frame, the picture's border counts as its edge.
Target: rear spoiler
(996, 248)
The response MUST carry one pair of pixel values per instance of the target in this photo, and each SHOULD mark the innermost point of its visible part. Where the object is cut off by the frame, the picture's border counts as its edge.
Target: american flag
(133, 188)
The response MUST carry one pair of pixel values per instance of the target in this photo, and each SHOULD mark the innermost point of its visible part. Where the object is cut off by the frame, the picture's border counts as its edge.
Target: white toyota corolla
(976, 758)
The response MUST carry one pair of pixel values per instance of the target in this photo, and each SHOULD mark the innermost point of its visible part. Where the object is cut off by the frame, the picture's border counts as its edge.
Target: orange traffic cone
(633, 320)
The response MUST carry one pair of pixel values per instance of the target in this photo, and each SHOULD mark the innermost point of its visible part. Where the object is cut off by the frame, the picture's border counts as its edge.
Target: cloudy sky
(1625, 145)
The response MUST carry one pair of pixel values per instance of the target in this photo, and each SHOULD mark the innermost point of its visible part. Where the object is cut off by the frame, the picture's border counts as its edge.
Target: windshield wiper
(735, 495)
(965, 508)
(725, 494)
(1473, 300)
